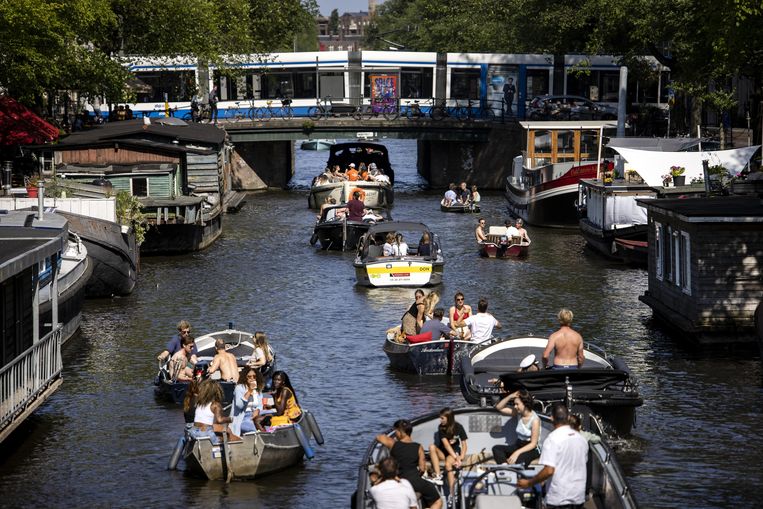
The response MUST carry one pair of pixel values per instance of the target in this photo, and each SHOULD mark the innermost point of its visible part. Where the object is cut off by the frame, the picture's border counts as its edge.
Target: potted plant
(677, 172)
(31, 183)
(667, 179)
(608, 178)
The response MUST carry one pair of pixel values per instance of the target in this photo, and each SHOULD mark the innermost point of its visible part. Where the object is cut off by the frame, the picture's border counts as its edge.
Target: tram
(418, 80)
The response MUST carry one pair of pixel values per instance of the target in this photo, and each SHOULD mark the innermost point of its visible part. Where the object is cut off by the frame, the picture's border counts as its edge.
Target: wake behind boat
(604, 383)
(360, 166)
(418, 264)
(543, 185)
(481, 484)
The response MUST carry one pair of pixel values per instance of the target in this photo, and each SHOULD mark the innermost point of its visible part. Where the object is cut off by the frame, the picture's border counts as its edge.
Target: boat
(238, 343)
(256, 454)
(604, 382)
(481, 484)
(317, 144)
(632, 252)
(497, 245)
(425, 356)
(336, 232)
(460, 208)
(543, 185)
(376, 192)
(372, 268)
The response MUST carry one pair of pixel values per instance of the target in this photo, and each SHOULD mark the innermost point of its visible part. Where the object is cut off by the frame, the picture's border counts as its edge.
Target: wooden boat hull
(460, 208)
(491, 250)
(112, 252)
(439, 357)
(405, 271)
(255, 455)
(633, 252)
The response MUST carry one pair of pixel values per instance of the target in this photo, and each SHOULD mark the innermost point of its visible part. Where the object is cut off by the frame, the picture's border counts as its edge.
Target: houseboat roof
(26, 240)
(139, 132)
(721, 209)
(569, 125)
(655, 144)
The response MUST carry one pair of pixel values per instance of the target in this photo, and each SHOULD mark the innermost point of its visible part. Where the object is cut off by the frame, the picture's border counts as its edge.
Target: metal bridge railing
(29, 375)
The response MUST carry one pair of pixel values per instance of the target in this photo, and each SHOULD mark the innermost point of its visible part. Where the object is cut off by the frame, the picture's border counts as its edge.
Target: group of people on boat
(424, 318)
(351, 173)
(353, 210)
(515, 232)
(461, 195)
(252, 410)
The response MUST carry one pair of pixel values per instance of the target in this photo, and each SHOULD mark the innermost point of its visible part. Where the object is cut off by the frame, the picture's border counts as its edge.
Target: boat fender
(619, 363)
(176, 452)
(314, 429)
(361, 191)
(313, 239)
(303, 441)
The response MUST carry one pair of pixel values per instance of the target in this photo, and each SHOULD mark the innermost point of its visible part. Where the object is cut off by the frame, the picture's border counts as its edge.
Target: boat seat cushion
(419, 338)
(497, 230)
(374, 251)
(497, 502)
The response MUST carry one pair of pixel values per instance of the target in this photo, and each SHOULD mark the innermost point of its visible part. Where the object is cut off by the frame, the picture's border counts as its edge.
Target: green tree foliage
(334, 22)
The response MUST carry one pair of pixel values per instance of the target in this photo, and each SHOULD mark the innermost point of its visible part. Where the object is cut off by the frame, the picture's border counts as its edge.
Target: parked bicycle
(414, 111)
(322, 109)
(285, 111)
(202, 114)
(369, 111)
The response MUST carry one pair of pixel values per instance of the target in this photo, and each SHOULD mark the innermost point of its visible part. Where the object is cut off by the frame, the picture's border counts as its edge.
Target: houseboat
(543, 185)
(175, 169)
(704, 266)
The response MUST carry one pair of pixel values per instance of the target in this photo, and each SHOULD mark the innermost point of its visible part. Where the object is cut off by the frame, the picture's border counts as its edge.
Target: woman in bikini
(413, 319)
(459, 312)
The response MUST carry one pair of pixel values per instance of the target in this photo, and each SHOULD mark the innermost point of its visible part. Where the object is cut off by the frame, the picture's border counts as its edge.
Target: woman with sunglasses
(247, 402)
(459, 312)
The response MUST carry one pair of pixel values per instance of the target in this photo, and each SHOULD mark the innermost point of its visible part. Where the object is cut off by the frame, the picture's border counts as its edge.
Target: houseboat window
(658, 255)
(677, 260)
(465, 83)
(178, 85)
(667, 265)
(686, 265)
(565, 145)
(140, 186)
(540, 144)
(589, 144)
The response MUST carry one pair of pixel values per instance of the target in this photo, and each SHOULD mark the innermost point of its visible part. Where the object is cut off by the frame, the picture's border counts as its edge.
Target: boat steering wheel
(483, 484)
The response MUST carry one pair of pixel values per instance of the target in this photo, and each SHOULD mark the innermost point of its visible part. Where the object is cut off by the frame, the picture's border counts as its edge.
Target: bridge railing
(27, 376)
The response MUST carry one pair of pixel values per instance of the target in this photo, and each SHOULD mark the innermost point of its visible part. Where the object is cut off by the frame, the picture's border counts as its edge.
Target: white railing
(28, 375)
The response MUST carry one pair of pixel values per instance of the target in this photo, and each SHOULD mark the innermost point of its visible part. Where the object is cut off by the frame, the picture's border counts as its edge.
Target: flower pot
(31, 191)
(679, 180)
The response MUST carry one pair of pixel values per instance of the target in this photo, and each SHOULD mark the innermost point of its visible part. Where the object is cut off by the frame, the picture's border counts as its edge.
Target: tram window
(277, 85)
(416, 83)
(178, 85)
(537, 82)
(465, 83)
(610, 87)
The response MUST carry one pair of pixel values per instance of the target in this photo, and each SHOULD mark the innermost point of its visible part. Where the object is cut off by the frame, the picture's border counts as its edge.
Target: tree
(334, 22)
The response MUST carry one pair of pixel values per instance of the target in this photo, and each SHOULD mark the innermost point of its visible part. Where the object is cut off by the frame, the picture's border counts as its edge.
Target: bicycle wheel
(487, 114)
(357, 113)
(287, 112)
(315, 112)
(265, 114)
(368, 112)
(438, 113)
(252, 113)
(390, 112)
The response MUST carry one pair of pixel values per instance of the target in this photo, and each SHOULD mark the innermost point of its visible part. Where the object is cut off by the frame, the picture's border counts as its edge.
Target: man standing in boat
(564, 456)
(355, 208)
(225, 362)
(566, 344)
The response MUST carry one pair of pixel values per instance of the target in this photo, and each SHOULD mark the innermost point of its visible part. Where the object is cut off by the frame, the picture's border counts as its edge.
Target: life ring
(314, 429)
(359, 190)
(303, 441)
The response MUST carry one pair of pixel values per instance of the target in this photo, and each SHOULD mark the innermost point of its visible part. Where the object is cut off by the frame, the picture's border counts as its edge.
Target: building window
(658, 255)
(140, 186)
(686, 263)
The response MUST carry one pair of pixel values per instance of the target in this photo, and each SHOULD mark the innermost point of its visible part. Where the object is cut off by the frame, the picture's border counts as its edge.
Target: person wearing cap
(352, 173)
(519, 404)
(566, 344)
(529, 363)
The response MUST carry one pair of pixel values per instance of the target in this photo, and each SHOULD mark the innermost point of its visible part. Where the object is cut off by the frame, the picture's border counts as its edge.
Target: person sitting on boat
(370, 216)
(425, 245)
(328, 202)
(459, 312)
(436, 327)
(479, 232)
(324, 178)
(355, 208)
(411, 462)
(189, 401)
(399, 248)
(449, 446)
(337, 174)
(522, 232)
(464, 195)
(529, 363)
(247, 402)
(566, 344)
(262, 354)
(475, 195)
(511, 231)
(224, 362)
(413, 319)
(209, 418)
(352, 173)
(430, 301)
(519, 404)
(480, 325)
(387, 249)
(362, 171)
(174, 344)
(390, 491)
(450, 195)
(284, 401)
(183, 362)
(564, 458)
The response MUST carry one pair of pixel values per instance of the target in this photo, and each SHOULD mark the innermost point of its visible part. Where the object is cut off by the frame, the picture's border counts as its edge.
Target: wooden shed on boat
(706, 266)
(176, 169)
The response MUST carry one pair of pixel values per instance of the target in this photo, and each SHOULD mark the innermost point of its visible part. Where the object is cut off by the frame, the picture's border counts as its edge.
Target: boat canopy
(359, 152)
(569, 125)
(655, 144)
(652, 165)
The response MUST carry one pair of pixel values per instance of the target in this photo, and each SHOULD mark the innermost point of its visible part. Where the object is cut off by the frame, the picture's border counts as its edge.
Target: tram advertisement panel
(383, 92)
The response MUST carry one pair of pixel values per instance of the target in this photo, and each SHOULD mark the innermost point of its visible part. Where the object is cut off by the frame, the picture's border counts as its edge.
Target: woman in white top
(387, 249)
(209, 417)
(399, 248)
(526, 448)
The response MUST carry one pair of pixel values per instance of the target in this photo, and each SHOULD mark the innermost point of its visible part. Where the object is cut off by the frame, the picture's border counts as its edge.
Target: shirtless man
(522, 231)
(479, 233)
(184, 360)
(566, 344)
(225, 362)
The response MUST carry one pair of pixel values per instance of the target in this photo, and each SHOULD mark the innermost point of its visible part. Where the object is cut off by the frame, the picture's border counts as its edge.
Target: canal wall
(262, 164)
(486, 164)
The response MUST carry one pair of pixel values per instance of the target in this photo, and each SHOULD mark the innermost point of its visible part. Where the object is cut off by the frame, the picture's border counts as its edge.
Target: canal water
(103, 440)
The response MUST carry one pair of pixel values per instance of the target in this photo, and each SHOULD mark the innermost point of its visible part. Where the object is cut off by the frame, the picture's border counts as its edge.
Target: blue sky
(327, 6)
